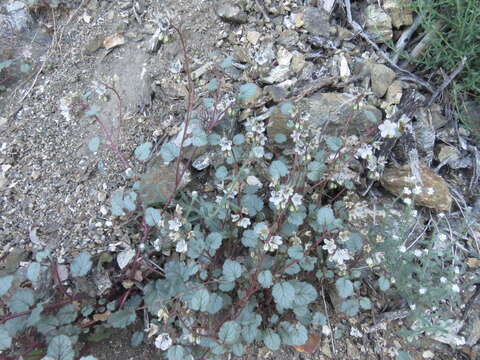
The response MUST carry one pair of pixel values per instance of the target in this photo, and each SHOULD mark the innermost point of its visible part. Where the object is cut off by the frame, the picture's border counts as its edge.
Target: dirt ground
(56, 190)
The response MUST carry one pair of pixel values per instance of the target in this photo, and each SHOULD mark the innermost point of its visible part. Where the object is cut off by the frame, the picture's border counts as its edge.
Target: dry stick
(403, 40)
(447, 81)
(328, 321)
(358, 28)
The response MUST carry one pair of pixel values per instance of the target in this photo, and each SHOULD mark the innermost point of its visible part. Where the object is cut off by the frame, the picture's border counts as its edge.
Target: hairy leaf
(5, 340)
(176, 353)
(229, 332)
(169, 151)
(344, 287)
(283, 294)
(200, 300)
(271, 340)
(21, 301)
(152, 216)
(277, 169)
(81, 264)
(33, 271)
(265, 279)
(232, 270)
(122, 318)
(60, 348)
(5, 284)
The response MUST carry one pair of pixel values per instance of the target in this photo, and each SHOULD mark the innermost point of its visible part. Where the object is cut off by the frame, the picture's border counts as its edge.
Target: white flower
(244, 222)
(296, 136)
(388, 129)
(235, 217)
(418, 253)
(157, 244)
(326, 330)
(407, 201)
(163, 342)
(329, 246)
(340, 256)
(442, 237)
(365, 151)
(402, 249)
(174, 224)
(417, 190)
(413, 306)
(355, 332)
(422, 291)
(181, 246)
(273, 243)
(456, 288)
(443, 280)
(407, 191)
(225, 144)
(253, 181)
(297, 199)
(430, 191)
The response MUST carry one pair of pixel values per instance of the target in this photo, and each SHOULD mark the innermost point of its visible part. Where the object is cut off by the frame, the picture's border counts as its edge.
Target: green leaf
(227, 62)
(325, 217)
(277, 169)
(279, 138)
(292, 269)
(176, 353)
(21, 301)
(169, 151)
(152, 216)
(319, 319)
(305, 293)
(315, 170)
(81, 264)
(237, 350)
(67, 314)
(287, 109)
(5, 340)
(137, 338)
(215, 303)
(214, 139)
(122, 318)
(60, 348)
(212, 85)
(89, 357)
(208, 102)
(33, 271)
(365, 303)
(221, 173)
(200, 300)
(94, 143)
(5, 284)
(117, 203)
(297, 217)
(354, 243)
(344, 287)
(403, 355)
(334, 143)
(265, 279)
(295, 252)
(247, 92)
(308, 263)
(350, 307)
(271, 340)
(293, 334)
(253, 203)
(142, 152)
(249, 238)
(232, 270)
(35, 316)
(226, 286)
(195, 247)
(199, 137)
(229, 332)
(238, 139)
(213, 241)
(283, 294)
(383, 283)
(24, 68)
(129, 200)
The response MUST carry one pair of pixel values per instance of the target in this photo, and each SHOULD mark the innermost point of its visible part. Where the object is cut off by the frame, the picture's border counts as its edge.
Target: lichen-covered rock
(400, 12)
(316, 21)
(382, 77)
(434, 190)
(378, 23)
(231, 12)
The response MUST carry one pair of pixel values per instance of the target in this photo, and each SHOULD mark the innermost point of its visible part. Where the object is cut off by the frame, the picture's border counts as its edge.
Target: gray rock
(231, 12)
(333, 111)
(378, 23)
(400, 12)
(316, 21)
(288, 38)
(17, 16)
(278, 123)
(382, 77)
(277, 93)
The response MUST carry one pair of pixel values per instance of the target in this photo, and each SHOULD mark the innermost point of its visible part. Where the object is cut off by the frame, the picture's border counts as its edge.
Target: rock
(17, 17)
(280, 122)
(316, 21)
(113, 41)
(449, 154)
(94, 44)
(378, 23)
(432, 116)
(231, 12)
(249, 94)
(253, 37)
(396, 180)
(265, 55)
(298, 62)
(334, 110)
(284, 57)
(394, 93)
(400, 11)
(382, 77)
(158, 182)
(277, 93)
(288, 38)
(277, 74)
